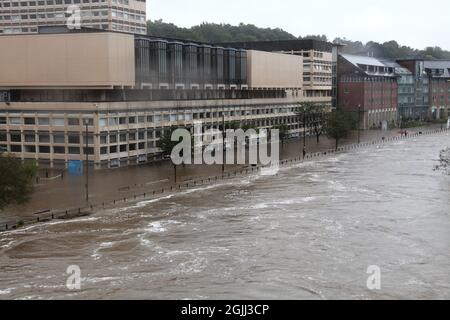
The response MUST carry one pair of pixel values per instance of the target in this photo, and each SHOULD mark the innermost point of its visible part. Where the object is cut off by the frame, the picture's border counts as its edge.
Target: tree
(444, 161)
(232, 125)
(339, 124)
(284, 132)
(16, 181)
(166, 144)
(217, 33)
(315, 117)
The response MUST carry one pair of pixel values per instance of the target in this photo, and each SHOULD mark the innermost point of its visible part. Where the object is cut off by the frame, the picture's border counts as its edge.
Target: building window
(43, 121)
(58, 121)
(74, 150)
(88, 150)
(74, 139)
(30, 149)
(15, 121)
(73, 121)
(16, 137)
(15, 148)
(30, 138)
(59, 150)
(102, 122)
(122, 120)
(44, 149)
(44, 138)
(59, 138)
(30, 121)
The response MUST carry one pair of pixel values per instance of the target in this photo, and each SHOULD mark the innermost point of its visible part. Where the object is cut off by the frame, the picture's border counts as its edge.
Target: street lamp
(86, 123)
(304, 132)
(223, 143)
(359, 123)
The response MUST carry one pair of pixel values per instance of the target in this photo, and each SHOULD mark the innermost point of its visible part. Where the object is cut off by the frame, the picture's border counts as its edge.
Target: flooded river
(311, 232)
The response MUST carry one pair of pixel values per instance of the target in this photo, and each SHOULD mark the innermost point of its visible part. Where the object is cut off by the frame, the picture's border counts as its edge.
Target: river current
(311, 232)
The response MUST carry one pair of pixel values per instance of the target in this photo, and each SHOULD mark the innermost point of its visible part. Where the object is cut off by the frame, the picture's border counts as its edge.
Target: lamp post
(304, 132)
(86, 123)
(359, 123)
(223, 143)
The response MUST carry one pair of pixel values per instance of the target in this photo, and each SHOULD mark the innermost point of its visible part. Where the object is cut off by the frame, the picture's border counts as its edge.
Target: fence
(49, 215)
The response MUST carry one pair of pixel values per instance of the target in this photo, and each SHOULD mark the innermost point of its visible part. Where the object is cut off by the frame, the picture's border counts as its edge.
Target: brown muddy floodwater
(310, 232)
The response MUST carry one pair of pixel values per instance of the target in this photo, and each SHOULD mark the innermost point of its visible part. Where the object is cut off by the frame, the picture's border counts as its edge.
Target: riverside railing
(49, 215)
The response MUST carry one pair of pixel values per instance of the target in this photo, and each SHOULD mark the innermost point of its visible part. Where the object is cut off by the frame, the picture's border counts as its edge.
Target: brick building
(368, 86)
(432, 86)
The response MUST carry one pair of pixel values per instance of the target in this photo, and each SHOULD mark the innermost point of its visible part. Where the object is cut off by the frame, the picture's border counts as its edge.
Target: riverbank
(62, 199)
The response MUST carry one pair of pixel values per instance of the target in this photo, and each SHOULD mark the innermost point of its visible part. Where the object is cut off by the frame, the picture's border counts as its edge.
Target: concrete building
(368, 86)
(27, 16)
(432, 86)
(120, 93)
(317, 63)
(406, 92)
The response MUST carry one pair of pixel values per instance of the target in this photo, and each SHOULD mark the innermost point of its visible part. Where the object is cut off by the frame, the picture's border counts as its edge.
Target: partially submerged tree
(444, 161)
(16, 181)
(339, 124)
(284, 132)
(166, 144)
(313, 116)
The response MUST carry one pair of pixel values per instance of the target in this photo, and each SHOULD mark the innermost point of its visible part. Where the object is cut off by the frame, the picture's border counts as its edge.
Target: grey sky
(415, 23)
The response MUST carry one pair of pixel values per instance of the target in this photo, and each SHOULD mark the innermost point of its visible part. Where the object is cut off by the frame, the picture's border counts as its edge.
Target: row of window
(15, 4)
(61, 15)
(125, 15)
(60, 138)
(13, 120)
(115, 121)
(47, 149)
(121, 27)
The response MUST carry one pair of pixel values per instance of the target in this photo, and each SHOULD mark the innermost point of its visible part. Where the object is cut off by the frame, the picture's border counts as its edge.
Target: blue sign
(75, 167)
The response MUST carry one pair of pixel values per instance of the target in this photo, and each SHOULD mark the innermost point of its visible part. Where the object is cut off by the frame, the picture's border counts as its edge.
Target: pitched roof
(357, 60)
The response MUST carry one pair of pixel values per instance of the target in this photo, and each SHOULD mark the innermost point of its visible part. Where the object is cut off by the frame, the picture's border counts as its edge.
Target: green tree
(16, 181)
(246, 127)
(166, 144)
(284, 132)
(232, 125)
(217, 33)
(339, 124)
(315, 116)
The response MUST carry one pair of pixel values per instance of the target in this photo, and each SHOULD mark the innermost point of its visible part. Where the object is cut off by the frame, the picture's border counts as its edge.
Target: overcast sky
(416, 23)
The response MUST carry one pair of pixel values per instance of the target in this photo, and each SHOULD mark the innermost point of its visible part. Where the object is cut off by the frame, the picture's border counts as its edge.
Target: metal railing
(49, 215)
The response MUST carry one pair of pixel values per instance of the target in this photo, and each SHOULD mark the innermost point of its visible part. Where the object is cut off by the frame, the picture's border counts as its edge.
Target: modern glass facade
(178, 65)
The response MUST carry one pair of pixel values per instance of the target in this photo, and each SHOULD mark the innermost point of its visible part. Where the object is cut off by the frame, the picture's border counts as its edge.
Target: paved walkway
(108, 185)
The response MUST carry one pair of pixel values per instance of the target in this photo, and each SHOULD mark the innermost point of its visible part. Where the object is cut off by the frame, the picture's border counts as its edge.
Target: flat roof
(283, 45)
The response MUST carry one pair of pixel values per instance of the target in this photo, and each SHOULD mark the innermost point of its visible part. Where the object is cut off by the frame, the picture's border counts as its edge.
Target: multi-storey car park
(130, 90)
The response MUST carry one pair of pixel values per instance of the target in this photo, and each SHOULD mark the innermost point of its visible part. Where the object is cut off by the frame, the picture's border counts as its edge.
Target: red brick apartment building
(368, 86)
